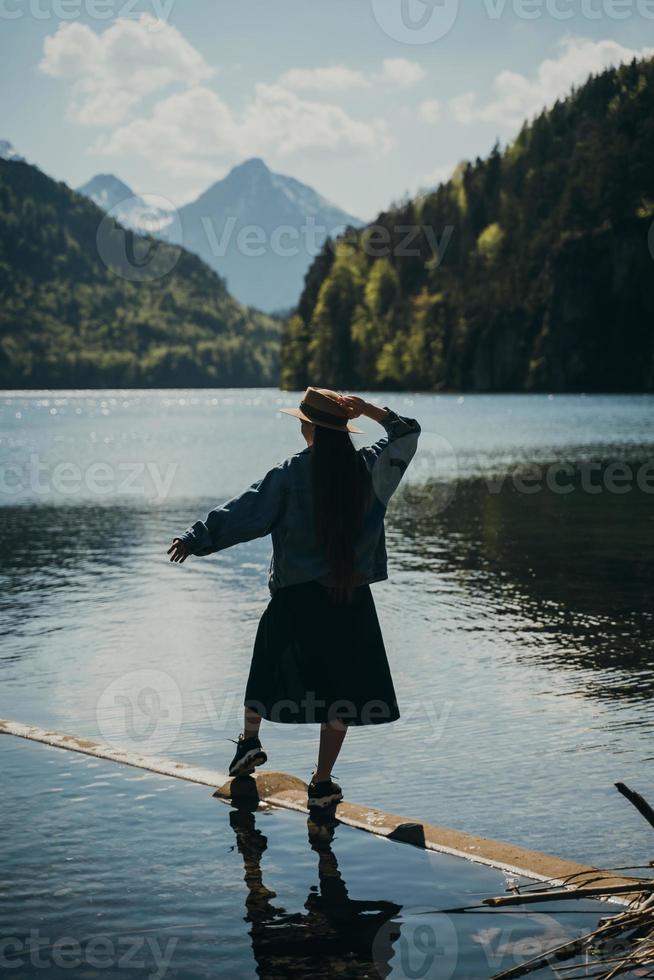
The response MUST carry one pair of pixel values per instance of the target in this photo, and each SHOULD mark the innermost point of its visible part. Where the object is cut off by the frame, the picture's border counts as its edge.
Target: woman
(319, 654)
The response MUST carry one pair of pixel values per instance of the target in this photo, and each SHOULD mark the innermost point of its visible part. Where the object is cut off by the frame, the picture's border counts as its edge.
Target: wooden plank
(101, 750)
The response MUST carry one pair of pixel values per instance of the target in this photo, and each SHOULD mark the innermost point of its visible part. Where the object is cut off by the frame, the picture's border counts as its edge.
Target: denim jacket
(281, 504)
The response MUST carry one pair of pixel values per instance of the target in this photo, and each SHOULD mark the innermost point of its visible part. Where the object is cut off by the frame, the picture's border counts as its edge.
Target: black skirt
(318, 660)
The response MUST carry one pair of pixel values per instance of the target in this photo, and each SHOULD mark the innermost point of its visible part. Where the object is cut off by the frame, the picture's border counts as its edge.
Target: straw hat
(320, 406)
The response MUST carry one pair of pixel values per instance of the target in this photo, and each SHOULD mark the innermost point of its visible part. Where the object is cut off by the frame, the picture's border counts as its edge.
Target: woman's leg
(332, 734)
(251, 723)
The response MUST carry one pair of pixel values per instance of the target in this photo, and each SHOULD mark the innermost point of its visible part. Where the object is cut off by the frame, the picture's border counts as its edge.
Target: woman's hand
(178, 551)
(356, 406)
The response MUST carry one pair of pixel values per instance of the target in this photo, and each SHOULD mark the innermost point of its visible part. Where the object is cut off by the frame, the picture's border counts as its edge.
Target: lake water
(518, 615)
(121, 873)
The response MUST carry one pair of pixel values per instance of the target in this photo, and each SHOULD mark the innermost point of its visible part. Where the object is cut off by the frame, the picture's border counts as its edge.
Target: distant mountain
(87, 303)
(530, 270)
(261, 231)
(145, 215)
(7, 152)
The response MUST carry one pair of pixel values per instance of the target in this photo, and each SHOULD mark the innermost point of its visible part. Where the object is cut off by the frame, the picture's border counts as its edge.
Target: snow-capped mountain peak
(289, 219)
(146, 214)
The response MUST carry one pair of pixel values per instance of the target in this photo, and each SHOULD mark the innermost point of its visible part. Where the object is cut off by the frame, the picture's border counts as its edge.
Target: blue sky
(365, 99)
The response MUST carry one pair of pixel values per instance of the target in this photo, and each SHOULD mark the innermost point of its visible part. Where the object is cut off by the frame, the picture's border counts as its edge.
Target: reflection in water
(56, 559)
(53, 543)
(569, 575)
(336, 934)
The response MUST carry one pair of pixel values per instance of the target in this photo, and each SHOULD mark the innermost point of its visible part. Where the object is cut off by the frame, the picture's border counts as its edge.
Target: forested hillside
(84, 303)
(546, 281)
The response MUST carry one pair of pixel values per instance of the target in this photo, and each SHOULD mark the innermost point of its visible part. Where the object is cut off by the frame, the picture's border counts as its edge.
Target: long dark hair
(341, 493)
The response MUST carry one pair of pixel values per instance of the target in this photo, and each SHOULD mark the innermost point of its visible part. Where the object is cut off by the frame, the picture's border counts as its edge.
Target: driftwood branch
(638, 801)
(557, 894)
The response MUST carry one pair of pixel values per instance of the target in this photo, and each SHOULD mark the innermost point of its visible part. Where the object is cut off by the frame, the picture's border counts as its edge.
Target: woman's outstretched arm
(252, 514)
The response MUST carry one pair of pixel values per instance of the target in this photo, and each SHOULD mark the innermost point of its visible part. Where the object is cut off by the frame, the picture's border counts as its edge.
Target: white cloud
(518, 97)
(283, 120)
(194, 131)
(401, 71)
(192, 124)
(111, 72)
(340, 78)
(337, 78)
(430, 111)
